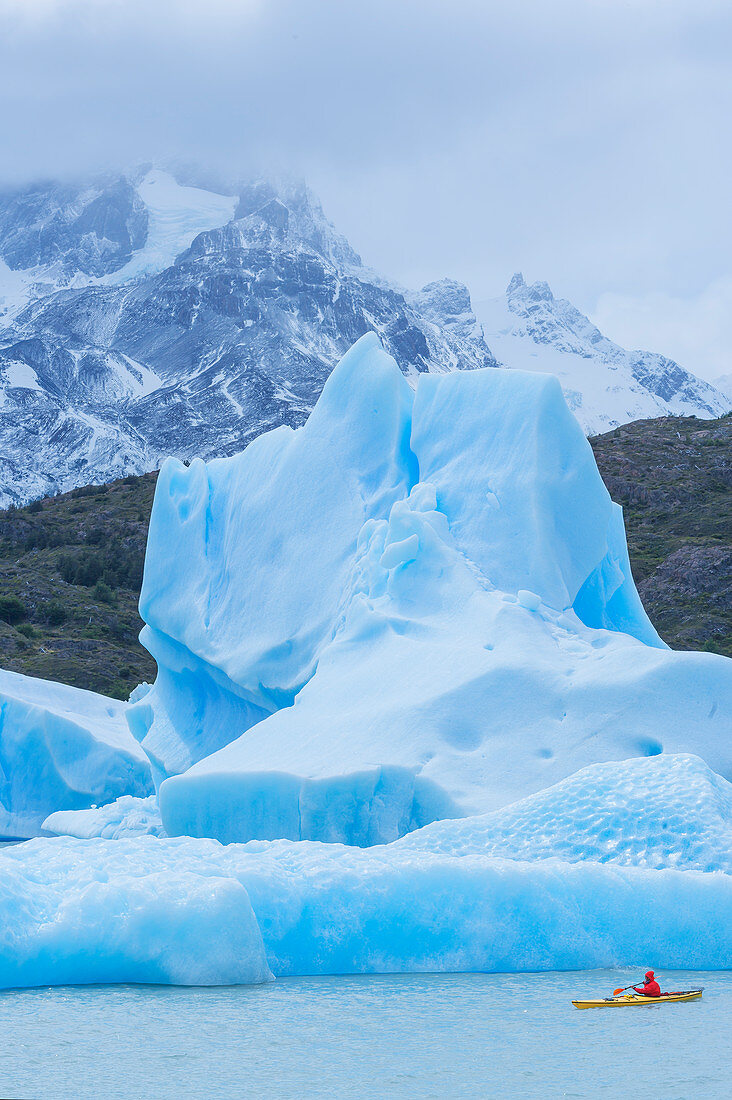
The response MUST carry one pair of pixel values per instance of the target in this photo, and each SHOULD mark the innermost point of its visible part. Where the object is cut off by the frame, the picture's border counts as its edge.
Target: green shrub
(27, 630)
(82, 568)
(35, 506)
(55, 612)
(36, 540)
(96, 536)
(115, 565)
(104, 593)
(12, 610)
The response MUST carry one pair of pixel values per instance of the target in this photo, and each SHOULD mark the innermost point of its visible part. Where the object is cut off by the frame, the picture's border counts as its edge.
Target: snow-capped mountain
(141, 317)
(604, 384)
(155, 314)
(724, 384)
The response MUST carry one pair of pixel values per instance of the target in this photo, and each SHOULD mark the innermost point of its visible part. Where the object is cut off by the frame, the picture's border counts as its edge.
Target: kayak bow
(639, 999)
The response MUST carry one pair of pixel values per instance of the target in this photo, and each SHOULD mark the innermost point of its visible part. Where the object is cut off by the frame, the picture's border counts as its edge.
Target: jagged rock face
(604, 384)
(92, 230)
(141, 316)
(197, 356)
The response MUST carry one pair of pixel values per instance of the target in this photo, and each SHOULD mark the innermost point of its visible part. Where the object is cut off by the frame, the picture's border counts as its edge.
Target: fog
(582, 143)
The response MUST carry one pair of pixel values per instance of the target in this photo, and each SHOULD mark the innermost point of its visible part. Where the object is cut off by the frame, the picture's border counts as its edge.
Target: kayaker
(650, 987)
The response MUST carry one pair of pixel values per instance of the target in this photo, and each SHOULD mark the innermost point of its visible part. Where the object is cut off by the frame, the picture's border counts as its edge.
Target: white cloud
(582, 142)
(696, 331)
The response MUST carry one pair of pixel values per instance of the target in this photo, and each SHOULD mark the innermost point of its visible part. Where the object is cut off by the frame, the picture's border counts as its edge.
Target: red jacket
(649, 988)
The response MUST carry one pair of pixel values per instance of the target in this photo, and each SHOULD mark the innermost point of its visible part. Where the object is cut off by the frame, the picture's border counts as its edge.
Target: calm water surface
(454, 1035)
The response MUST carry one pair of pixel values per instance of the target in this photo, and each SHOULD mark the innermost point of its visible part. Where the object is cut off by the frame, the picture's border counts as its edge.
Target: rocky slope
(70, 566)
(70, 575)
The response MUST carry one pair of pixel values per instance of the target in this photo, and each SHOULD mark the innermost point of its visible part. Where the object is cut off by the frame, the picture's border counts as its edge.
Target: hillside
(71, 566)
(673, 477)
(70, 575)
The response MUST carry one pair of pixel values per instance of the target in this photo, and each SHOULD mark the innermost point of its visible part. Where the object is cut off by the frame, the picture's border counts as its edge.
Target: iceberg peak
(417, 606)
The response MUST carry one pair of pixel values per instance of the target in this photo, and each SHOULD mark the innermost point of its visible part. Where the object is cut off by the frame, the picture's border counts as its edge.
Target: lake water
(451, 1035)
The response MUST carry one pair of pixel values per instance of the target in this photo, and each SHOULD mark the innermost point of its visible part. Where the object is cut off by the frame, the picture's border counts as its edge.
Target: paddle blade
(616, 991)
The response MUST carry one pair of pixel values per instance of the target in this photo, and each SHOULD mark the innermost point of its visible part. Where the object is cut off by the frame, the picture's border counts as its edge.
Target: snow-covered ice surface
(412, 608)
(180, 911)
(61, 748)
(126, 816)
(664, 811)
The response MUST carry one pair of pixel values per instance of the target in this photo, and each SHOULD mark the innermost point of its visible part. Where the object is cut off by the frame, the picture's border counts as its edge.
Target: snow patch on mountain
(724, 384)
(176, 215)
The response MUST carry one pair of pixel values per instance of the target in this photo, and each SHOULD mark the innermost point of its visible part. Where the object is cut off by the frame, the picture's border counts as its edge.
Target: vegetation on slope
(70, 576)
(673, 477)
(71, 566)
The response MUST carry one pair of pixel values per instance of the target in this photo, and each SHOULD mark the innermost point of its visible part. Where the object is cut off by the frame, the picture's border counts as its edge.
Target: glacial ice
(126, 816)
(177, 214)
(412, 608)
(180, 910)
(666, 811)
(69, 917)
(62, 748)
(263, 545)
(406, 678)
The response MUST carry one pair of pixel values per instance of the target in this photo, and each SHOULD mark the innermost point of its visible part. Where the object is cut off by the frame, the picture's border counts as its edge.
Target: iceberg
(416, 607)
(195, 912)
(263, 547)
(410, 715)
(62, 748)
(69, 917)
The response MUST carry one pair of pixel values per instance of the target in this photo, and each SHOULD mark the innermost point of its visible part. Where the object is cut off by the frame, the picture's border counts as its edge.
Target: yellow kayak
(638, 999)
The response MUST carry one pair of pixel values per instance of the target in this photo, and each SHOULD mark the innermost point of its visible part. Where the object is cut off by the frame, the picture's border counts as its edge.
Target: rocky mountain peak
(225, 322)
(88, 228)
(604, 384)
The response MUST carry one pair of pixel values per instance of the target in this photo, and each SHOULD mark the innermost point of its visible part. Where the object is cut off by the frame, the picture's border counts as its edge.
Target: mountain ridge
(604, 385)
(197, 356)
(155, 316)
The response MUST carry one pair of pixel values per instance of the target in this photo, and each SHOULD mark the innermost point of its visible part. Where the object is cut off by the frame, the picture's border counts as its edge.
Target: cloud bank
(582, 143)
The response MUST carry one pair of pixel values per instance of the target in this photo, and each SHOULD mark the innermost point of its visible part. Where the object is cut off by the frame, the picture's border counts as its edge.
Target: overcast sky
(585, 143)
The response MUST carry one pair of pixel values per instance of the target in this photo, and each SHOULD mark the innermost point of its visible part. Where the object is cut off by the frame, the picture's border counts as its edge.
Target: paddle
(616, 991)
